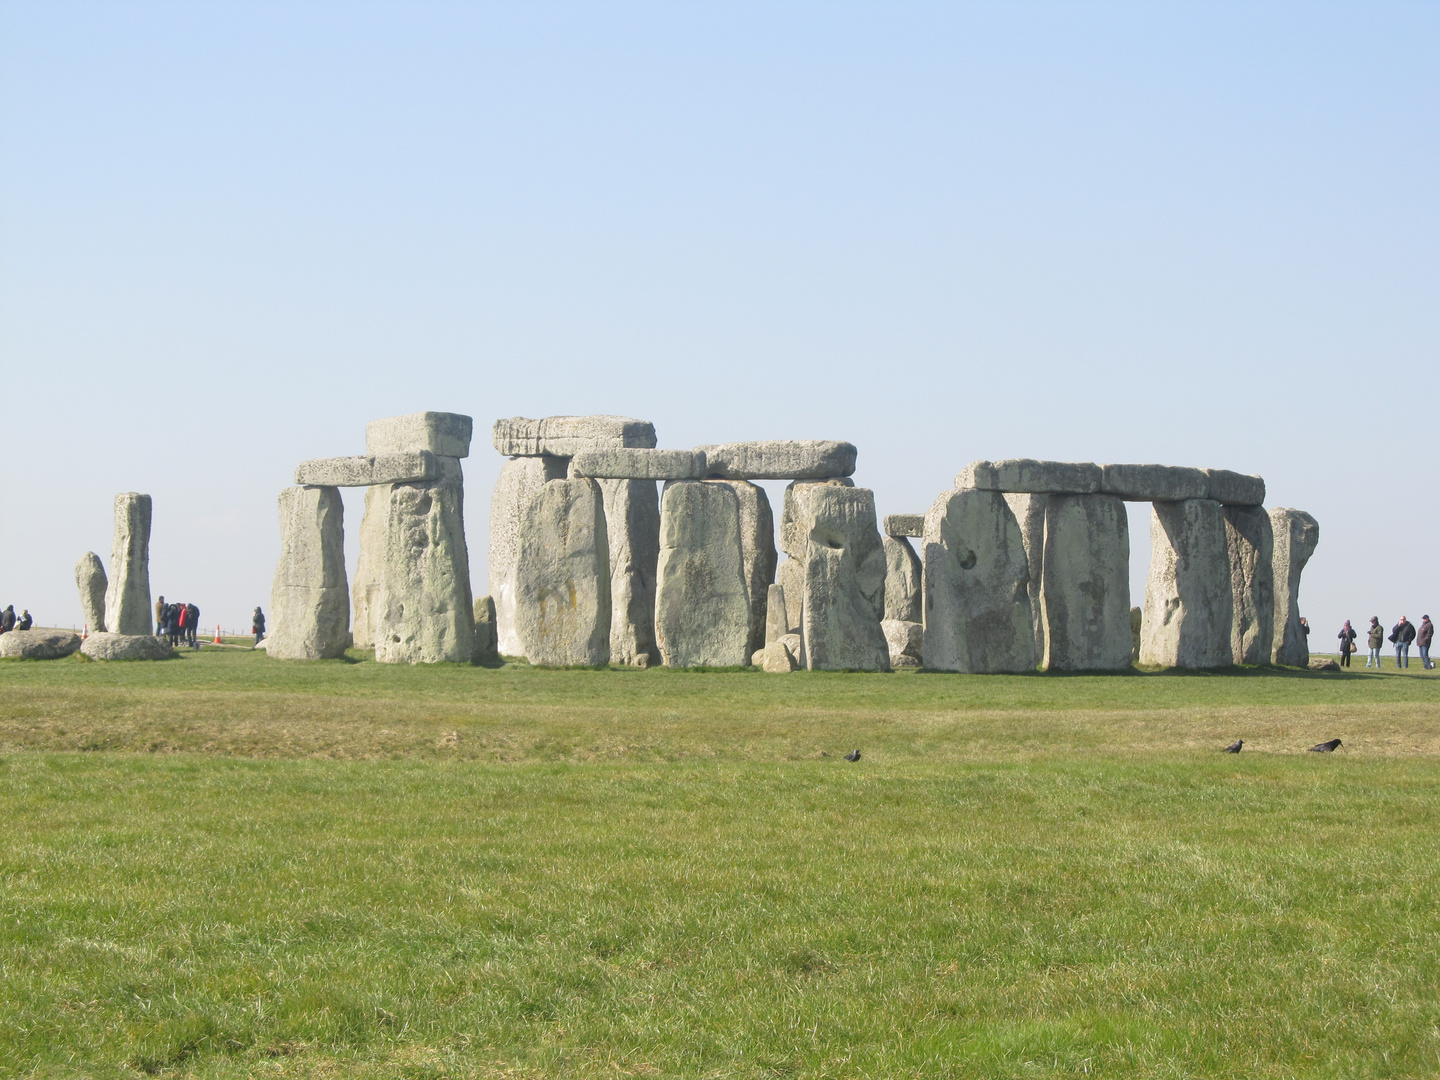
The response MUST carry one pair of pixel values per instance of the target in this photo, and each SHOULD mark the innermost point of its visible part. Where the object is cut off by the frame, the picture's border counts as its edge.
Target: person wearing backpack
(1402, 634)
(1377, 641)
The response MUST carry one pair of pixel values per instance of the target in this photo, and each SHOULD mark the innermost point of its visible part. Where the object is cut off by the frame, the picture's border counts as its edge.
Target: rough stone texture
(757, 551)
(444, 434)
(844, 597)
(310, 598)
(38, 644)
(1296, 536)
(1250, 539)
(904, 581)
(485, 651)
(562, 599)
(125, 647)
(566, 436)
(1085, 590)
(366, 471)
(1322, 663)
(127, 597)
(635, 463)
(1154, 483)
(1235, 489)
(977, 582)
(365, 589)
(1188, 607)
(906, 642)
(794, 539)
(426, 611)
(1137, 626)
(795, 645)
(777, 618)
(632, 522)
(519, 484)
(91, 581)
(898, 525)
(775, 658)
(795, 459)
(702, 606)
(1028, 475)
(790, 576)
(1029, 511)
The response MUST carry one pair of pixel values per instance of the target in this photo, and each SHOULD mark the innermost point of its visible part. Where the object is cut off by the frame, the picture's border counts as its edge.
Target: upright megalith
(127, 595)
(91, 581)
(1029, 510)
(1085, 587)
(1296, 535)
(1250, 538)
(757, 552)
(365, 589)
(1188, 603)
(702, 605)
(309, 600)
(485, 651)
(790, 576)
(844, 597)
(977, 586)
(521, 480)
(562, 582)
(904, 578)
(632, 524)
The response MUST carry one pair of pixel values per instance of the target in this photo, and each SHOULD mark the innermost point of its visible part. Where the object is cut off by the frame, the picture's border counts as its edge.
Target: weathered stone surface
(795, 645)
(1188, 606)
(637, 463)
(757, 551)
(365, 589)
(904, 581)
(1296, 535)
(790, 576)
(775, 658)
(844, 597)
(906, 642)
(38, 644)
(1137, 625)
(444, 434)
(1029, 511)
(485, 650)
(1321, 663)
(566, 436)
(632, 522)
(410, 466)
(1250, 539)
(977, 581)
(1085, 591)
(125, 647)
(777, 618)
(1154, 483)
(794, 459)
(562, 600)
(702, 605)
(426, 610)
(91, 581)
(794, 539)
(898, 525)
(1235, 489)
(519, 484)
(1028, 475)
(310, 598)
(127, 596)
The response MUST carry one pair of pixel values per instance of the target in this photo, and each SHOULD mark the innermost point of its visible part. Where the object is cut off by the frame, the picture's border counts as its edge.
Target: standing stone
(1137, 624)
(1188, 606)
(977, 586)
(844, 597)
(127, 596)
(777, 618)
(485, 651)
(520, 482)
(310, 600)
(1296, 536)
(790, 576)
(903, 578)
(632, 523)
(91, 581)
(365, 589)
(1250, 538)
(702, 607)
(1085, 592)
(426, 614)
(1029, 511)
(562, 597)
(794, 537)
(757, 552)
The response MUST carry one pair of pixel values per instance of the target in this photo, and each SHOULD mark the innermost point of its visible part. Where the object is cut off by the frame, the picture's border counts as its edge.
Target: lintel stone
(1153, 483)
(404, 467)
(780, 459)
(566, 436)
(443, 434)
(1235, 489)
(1029, 475)
(904, 525)
(638, 463)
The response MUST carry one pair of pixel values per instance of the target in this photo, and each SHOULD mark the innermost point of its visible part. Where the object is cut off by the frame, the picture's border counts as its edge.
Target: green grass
(223, 865)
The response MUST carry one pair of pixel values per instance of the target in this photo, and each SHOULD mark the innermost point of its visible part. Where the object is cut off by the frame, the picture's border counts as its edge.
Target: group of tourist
(1402, 635)
(177, 623)
(8, 621)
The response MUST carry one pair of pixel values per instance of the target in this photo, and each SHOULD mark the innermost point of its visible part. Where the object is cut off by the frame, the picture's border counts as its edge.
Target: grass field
(222, 865)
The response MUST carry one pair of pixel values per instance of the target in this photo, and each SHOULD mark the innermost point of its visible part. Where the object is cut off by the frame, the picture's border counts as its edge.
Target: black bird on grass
(853, 755)
(1325, 747)
(1234, 747)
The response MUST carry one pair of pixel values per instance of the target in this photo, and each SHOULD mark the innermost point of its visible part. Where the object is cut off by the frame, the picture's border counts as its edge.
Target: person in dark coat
(257, 626)
(7, 619)
(1377, 641)
(1347, 643)
(160, 606)
(172, 623)
(1401, 635)
(25, 621)
(1423, 637)
(192, 622)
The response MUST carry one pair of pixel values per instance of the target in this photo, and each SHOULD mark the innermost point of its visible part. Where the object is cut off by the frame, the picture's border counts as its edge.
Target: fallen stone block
(844, 596)
(562, 601)
(632, 523)
(126, 647)
(1029, 511)
(637, 463)
(38, 644)
(520, 482)
(443, 434)
(1296, 535)
(566, 436)
(702, 605)
(1235, 489)
(127, 596)
(1085, 590)
(1250, 540)
(904, 580)
(775, 658)
(91, 581)
(1154, 483)
(906, 642)
(410, 466)
(310, 598)
(795, 459)
(898, 525)
(1322, 663)
(1188, 604)
(1028, 475)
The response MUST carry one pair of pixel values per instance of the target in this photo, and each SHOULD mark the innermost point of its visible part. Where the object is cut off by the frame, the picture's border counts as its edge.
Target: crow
(1325, 747)
(853, 755)
(1234, 747)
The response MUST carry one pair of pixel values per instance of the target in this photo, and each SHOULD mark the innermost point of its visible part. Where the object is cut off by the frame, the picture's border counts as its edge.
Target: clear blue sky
(1196, 234)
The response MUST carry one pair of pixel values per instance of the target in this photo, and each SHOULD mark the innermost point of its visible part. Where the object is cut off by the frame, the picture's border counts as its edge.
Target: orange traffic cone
(217, 640)
(85, 632)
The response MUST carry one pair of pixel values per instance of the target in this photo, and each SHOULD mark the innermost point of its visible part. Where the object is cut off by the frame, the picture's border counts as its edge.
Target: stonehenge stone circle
(1029, 511)
(901, 525)
(1188, 603)
(125, 647)
(520, 482)
(405, 467)
(702, 606)
(844, 598)
(91, 581)
(485, 650)
(310, 598)
(977, 582)
(1085, 589)
(1296, 535)
(441, 433)
(566, 436)
(38, 644)
(795, 459)
(127, 596)
(1154, 483)
(903, 580)
(1250, 539)
(562, 598)
(631, 463)
(632, 523)
(757, 552)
